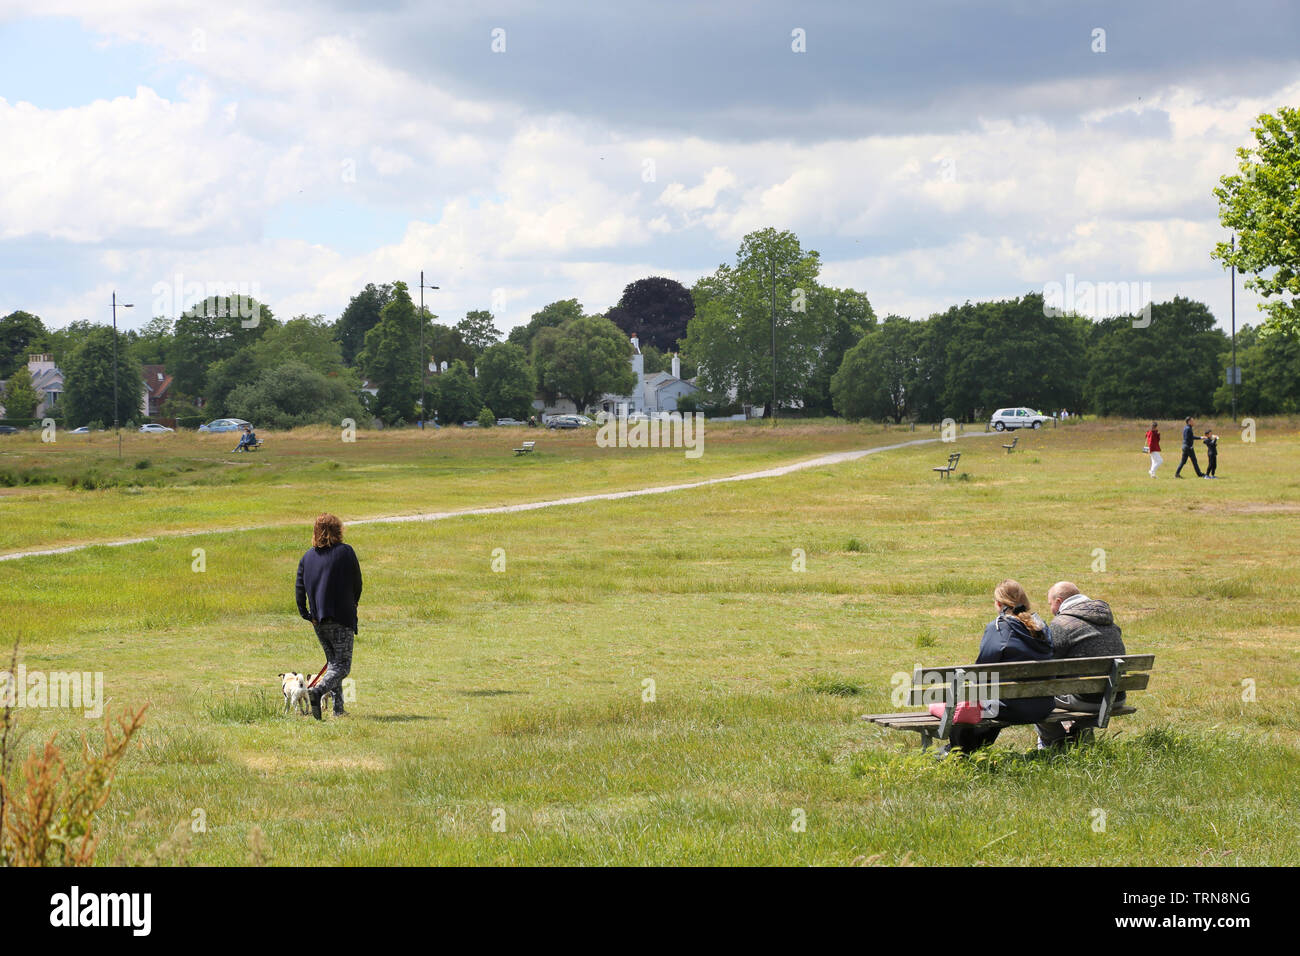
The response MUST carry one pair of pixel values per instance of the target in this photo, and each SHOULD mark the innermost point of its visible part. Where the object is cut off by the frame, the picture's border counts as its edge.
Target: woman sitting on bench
(1016, 634)
(247, 440)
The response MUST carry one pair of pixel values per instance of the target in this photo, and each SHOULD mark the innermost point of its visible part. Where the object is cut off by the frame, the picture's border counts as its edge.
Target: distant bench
(1017, 680)
(254, 446)
(526, 448)
(946, 470)
(1012, 447)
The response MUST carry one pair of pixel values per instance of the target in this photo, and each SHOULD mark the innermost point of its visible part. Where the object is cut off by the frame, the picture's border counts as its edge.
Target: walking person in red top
(1152, 447)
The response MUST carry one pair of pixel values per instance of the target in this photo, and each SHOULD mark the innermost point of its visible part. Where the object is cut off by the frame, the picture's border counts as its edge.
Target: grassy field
(518, 698)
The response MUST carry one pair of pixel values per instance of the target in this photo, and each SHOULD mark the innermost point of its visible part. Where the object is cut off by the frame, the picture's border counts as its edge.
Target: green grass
(521, 695)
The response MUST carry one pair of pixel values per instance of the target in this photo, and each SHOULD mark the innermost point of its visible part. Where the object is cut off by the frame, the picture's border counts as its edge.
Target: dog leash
(318, 676)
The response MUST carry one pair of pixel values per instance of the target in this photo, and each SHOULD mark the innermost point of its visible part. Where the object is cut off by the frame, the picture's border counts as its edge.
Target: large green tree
(583, 359)
(506, 381)
(361, 315)
(88, 381)
(770, 292)
(1261, 204)
(391, 359)
(152, 344)
(21, 334)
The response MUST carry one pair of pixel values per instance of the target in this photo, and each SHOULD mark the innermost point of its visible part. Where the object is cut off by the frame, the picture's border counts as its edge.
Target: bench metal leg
(1112, 687)
(927, 738)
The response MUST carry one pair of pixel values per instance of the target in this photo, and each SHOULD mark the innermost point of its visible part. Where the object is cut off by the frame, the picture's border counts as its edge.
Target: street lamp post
(1233, 374)
(116, 425)
(773, 338)
(424, 357)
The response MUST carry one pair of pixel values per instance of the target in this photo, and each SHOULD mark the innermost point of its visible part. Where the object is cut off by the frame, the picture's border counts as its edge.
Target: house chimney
(677, 366)
(636, 345)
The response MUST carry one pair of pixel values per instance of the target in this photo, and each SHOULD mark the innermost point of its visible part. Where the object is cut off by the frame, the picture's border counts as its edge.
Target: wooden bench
(1012, 447)
(527, 447)
(253, 447)
(946, 470)
(1016, 680)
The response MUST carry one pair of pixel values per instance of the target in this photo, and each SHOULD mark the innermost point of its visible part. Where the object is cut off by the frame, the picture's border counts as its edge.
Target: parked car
(8, 430)
(224, 425)
(569, 421)
(509, 421)
(469, 424)
(1005, 418)
(83, 430)
(153, 428)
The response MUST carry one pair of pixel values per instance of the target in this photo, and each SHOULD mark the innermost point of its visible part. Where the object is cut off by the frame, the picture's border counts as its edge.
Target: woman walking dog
(327, 590)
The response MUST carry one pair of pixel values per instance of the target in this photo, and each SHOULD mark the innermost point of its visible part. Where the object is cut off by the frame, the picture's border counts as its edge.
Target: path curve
(834, 458)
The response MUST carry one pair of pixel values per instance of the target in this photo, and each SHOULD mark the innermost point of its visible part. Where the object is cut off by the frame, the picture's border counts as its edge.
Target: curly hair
(327, 532)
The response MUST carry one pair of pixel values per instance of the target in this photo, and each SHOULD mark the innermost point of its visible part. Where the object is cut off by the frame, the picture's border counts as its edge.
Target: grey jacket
(1086, 629)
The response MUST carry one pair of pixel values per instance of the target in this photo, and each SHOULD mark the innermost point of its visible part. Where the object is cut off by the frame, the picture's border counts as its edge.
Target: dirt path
(834, 458)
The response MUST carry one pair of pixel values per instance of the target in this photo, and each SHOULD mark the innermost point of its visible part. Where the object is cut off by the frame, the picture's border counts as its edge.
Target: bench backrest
(529, 444)
(953, 459)
(1013, 680)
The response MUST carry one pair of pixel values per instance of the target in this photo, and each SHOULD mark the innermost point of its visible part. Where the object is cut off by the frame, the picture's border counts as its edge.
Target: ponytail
(1016, 603)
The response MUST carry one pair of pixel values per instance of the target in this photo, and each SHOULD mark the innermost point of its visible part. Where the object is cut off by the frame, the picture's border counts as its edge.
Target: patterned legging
(336, 641)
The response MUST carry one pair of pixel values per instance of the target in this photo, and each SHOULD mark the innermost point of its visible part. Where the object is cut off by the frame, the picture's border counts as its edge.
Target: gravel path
(834, 458)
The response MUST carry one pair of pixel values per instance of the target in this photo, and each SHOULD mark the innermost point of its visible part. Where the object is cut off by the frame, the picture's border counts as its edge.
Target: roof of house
(156, 380)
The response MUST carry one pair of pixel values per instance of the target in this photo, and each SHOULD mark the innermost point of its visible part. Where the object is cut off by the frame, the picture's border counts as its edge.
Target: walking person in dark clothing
(328, 589)
(1211, 453)
(1189, 449)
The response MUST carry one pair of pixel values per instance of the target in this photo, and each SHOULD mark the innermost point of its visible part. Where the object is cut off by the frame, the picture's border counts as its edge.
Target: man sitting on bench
(1081, 627)
(247, 440)
(1016, 634)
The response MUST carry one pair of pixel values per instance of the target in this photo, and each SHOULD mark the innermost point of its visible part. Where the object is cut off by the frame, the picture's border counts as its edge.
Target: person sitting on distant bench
(246, 440)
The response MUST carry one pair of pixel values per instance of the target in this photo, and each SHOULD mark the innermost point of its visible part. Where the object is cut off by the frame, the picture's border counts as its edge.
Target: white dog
(294, 688)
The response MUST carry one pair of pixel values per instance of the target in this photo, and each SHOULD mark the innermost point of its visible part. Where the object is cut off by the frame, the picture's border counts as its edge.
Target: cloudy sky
(520, 153)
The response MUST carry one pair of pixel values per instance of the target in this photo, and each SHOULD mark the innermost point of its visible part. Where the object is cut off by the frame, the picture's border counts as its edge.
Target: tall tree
(88, 381)
(506, 380)
(477, 330)
(1262, 205)
(361, 315)
(735, 314)
(583, 359)
(656, 310)
(21, 334)
(391, 358)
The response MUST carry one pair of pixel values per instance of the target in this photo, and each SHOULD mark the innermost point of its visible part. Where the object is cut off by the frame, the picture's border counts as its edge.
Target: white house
(660, 392)
(47, 382)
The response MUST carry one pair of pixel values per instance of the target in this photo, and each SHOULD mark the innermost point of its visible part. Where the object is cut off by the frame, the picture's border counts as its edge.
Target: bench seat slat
(1020, 690)
(1013, 670)
(925, 721)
